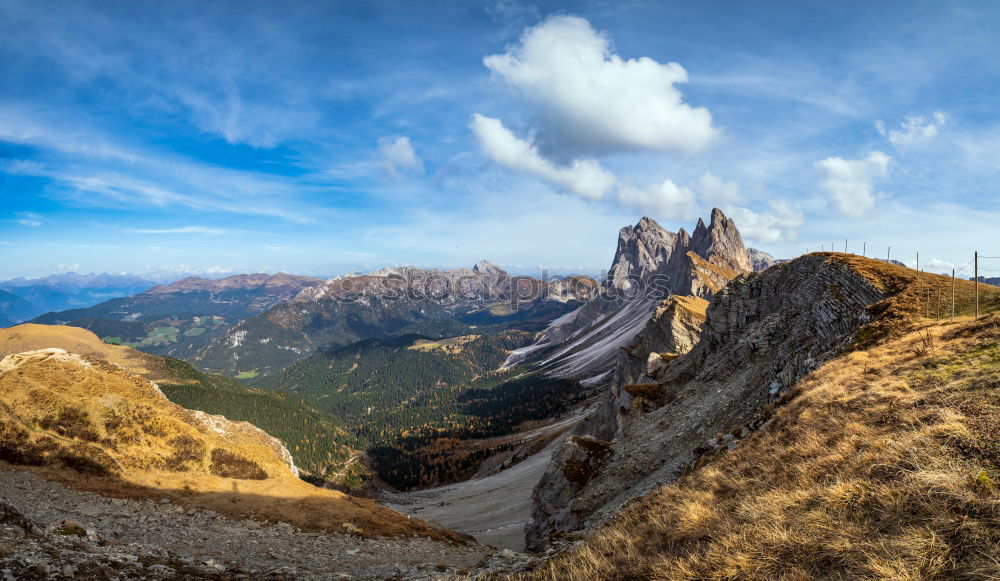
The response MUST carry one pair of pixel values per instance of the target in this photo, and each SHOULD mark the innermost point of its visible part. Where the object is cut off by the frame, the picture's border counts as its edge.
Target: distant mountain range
(179, 318)
(346, 309)
(23, 298)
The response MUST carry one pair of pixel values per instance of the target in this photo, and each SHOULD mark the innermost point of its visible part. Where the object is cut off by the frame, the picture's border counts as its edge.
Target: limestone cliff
(762, 333)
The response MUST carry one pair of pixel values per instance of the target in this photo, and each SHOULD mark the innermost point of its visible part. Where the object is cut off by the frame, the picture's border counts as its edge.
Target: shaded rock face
(650, 264)
(642, 250)
(674, 329)
(762, 333)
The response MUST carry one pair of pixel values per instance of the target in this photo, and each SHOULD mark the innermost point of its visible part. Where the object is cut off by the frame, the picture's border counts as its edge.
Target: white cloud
(582, 177)
(30, 219)
(398, 155)
(849, 182)
(933, 265)
(593, 101)
(183, 230)
(769, 228)
(715, 192)
(99, 170)
(664, 200)
(914, 130)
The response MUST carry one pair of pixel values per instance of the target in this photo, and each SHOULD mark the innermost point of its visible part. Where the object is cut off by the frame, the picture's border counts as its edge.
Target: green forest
(316, 441)
(413, 399)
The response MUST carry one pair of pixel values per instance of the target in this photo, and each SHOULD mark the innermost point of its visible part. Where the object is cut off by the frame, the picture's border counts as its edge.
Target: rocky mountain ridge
(761, 334)
(179, 318)
(650, 264)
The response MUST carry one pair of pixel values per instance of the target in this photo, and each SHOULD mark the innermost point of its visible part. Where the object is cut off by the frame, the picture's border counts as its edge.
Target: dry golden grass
(885, 466)
(29, 337)
(914, 296)
(696, 306)
(453, 345)
(95, 426)
(715, 276)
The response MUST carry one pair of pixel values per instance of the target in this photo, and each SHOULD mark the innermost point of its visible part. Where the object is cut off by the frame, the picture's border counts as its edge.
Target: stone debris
(91, 537)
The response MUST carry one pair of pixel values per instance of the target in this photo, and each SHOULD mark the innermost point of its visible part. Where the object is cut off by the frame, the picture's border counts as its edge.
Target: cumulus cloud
(716, 192)
(769, 227)
(583, 177)
(398, 155)
(592, 101)
(849, 182)
(933, 265)
(914, 130)
(664, 200)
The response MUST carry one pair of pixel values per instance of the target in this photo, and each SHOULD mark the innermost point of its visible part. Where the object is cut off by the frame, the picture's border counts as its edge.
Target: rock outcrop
(761, 334)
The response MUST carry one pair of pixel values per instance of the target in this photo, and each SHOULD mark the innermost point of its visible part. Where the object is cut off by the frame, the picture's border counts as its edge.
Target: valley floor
(149, 540)
(493, 509)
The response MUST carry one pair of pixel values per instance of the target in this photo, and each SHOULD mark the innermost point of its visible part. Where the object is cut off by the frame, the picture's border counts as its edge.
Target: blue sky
(327, 137)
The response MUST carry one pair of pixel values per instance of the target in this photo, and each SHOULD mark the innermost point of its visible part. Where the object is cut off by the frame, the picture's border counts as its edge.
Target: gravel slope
(494, 509)
(200, 543)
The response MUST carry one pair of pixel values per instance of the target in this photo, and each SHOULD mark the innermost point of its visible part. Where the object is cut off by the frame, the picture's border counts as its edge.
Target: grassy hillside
(92, 424)
(318, 445)
(317, 442)
(884, 464)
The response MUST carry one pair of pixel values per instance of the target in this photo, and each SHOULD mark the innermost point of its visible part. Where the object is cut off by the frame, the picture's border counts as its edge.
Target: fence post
(953, 294)
(976, 258)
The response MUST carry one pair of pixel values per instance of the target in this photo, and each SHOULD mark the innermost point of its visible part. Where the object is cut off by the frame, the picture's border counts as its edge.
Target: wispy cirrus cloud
(181, 230)
(93, 169)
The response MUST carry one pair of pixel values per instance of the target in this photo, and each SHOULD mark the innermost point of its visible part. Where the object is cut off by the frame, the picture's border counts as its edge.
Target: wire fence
(941, 290)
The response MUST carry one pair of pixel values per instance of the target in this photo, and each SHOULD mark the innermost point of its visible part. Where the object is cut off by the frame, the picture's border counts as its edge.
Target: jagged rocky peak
(761, 260)
(647, 247)
(720, 243)
(642, 249)
(487, 267)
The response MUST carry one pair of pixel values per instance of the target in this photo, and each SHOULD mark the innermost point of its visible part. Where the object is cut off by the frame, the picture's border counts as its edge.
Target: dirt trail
(494, 509)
